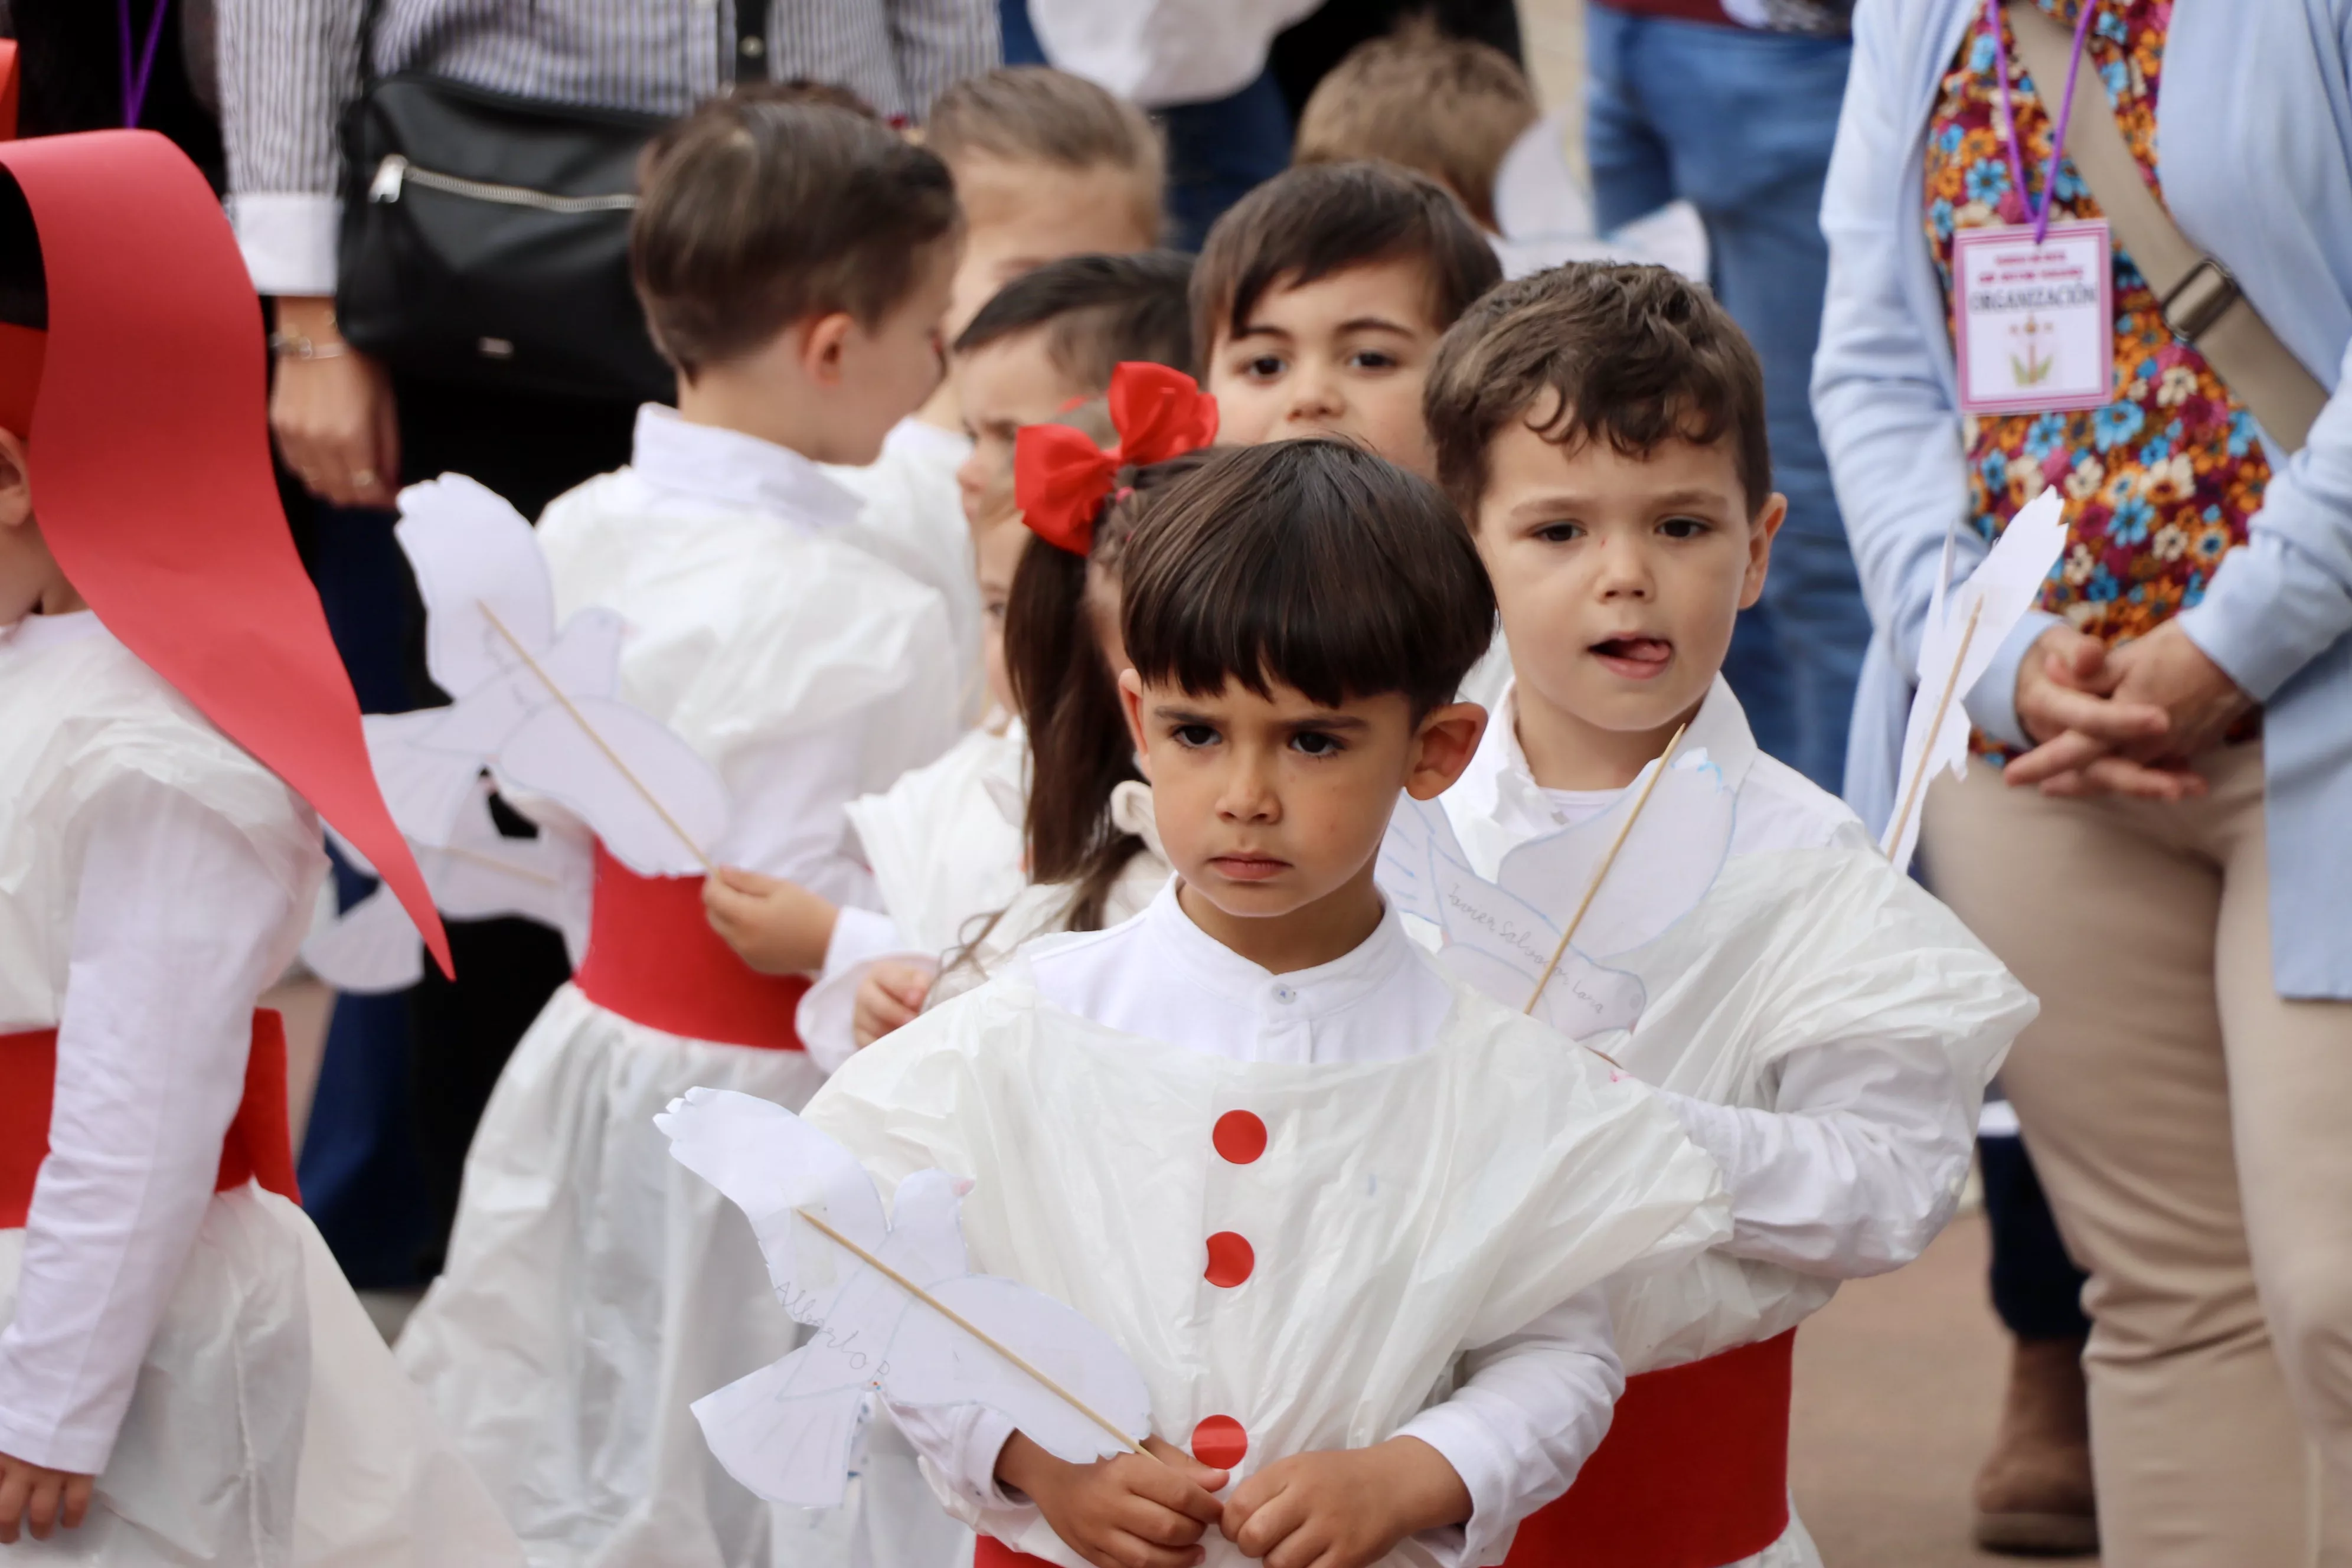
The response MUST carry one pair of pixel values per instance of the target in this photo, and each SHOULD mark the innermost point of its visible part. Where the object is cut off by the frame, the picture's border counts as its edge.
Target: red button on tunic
(1220, 1443)
(1239, 1136)
(1231, 1259)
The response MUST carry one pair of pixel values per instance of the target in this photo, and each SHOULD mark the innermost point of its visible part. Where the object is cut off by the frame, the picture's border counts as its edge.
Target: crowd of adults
(2159, 849)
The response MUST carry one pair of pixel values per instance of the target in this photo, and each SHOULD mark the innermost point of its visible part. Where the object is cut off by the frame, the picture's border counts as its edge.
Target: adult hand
(2096, 737)
(1344, 1508)
(333, 416)
(35, 1497)
(1124, 1512)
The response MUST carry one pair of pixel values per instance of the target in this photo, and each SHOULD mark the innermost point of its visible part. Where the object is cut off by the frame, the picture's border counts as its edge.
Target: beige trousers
(2194, 1133)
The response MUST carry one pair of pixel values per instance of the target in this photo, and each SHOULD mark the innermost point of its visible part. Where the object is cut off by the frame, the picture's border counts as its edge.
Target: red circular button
(1231, 1259)
(1239, 1136)
(1220, 1443)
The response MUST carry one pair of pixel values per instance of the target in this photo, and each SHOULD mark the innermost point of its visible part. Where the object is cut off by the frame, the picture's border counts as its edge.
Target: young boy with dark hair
(1253, 1133)
(1824, 1027)
(1319, 299)
(1051, 338)
(795, 263)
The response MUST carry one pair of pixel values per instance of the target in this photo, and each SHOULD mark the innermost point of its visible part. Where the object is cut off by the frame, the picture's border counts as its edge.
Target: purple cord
(135, 79)
(2008, 118)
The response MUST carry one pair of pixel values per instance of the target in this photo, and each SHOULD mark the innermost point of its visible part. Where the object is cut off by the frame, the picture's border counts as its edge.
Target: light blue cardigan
(2255, 118)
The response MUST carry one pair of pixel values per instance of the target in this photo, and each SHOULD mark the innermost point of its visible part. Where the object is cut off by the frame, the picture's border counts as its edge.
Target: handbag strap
(2201, 301)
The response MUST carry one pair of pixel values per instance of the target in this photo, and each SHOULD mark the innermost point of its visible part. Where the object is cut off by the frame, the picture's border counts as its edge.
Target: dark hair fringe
(1635, 356)
(1312, 564)
(1099, 310)
(1316, 219)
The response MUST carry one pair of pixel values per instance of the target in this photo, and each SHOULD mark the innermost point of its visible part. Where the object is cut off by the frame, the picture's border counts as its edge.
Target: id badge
(2037, 322)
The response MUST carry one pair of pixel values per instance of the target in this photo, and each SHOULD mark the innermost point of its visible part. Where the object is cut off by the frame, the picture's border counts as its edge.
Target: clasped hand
(1341, 1509)
(38, 1498)
(2126, 720)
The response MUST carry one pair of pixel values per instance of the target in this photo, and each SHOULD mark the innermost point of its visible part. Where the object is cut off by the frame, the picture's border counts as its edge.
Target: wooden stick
(968, 1326)
(493, 863)
(1927, 743)
(1601, 872)
(590, 730)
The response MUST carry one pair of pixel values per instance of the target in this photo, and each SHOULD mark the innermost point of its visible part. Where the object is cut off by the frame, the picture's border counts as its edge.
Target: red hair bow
(1060, 478)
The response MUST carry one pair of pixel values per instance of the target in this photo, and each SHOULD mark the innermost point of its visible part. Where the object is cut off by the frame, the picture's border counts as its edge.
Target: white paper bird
(1501, 934)
(533, 704)
(480, 874)
(1545, 210)
(786, 1431)
(1966, 626)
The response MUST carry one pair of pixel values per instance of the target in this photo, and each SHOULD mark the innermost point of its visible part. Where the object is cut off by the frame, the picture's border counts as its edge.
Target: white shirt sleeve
(959, 1445)
(1531, 1410)
(790, 820)
(178, 926)
(1858, 1169)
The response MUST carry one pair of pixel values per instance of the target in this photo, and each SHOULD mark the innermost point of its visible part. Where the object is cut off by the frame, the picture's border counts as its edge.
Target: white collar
(1372, 964)
(704, 462)
(1498, 782)
(35, 633)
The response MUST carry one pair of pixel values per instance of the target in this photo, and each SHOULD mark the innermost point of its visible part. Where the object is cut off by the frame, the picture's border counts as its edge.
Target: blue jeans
(1739, 124)
(1217, 153)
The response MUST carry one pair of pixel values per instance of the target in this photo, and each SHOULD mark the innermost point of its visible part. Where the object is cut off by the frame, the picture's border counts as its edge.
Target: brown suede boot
(2034, 1497)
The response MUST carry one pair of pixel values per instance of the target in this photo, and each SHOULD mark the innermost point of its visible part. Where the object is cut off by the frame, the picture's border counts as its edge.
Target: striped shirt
(289, 69)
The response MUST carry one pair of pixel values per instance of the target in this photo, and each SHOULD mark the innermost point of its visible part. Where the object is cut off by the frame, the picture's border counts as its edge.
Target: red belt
(1694, 1473)
(257, 1146)
(654, 959)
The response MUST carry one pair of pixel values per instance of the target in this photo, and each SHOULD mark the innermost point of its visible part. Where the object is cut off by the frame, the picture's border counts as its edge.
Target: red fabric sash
(1694, 1473)
(258, 1145)
(654, 959)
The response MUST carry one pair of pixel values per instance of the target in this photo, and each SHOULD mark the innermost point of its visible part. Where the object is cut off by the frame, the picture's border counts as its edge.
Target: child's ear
(1774, 512)
(1442, 746)
(825, 342)
(16, 480)
(1130, 706)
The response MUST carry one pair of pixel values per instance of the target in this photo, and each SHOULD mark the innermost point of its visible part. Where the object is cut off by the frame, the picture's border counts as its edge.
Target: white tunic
(1081, 1089)
(595, 1288)
(195, 1350)
(1824, 1029)
(914, 508)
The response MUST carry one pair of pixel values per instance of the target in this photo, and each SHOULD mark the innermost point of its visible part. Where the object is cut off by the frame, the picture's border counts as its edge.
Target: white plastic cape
(1402, 1211)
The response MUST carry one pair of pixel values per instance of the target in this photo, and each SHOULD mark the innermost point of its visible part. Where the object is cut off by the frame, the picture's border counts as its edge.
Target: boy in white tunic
(1826, 1026)
(795, 261)
(185, 1375)
(1255, 1132)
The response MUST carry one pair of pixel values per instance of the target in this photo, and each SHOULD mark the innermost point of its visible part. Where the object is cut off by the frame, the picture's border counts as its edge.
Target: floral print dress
(2162, 482)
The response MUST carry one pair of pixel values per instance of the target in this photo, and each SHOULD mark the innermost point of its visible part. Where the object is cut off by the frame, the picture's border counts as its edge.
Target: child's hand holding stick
(1345, 1507)
(1126, 1512)
(776, 927)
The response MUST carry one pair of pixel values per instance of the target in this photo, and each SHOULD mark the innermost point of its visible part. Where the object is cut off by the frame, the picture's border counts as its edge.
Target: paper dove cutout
(1545, 210)
(491, 642)
(1966, 626)
(785, 1431)
(478, 874)
(1499, 934)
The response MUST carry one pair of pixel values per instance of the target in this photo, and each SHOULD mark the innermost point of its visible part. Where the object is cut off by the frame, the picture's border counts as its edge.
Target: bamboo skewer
(1601, 872)
(969, 1327)
(492, 862)
(1928, 742)
(590, 730)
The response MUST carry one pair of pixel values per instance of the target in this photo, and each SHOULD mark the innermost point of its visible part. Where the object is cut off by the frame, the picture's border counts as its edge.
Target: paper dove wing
(1420, 836)
(1669, 859)
(1959, 645)
(370, 948)
(471, 551)
(653, 800)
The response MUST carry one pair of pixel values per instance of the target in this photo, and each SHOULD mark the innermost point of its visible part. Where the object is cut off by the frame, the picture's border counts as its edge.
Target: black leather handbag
(486, 240)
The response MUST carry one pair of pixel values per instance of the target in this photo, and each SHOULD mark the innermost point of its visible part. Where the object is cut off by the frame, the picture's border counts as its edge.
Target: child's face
(1267, 805)
(1619, 577)
(1020, 215)
(1345, 355)
(888, 373)
(1001, 386)
(997, 547)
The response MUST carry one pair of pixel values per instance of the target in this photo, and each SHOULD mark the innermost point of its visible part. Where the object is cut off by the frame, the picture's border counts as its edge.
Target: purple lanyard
(135, 77)
(2008, 118)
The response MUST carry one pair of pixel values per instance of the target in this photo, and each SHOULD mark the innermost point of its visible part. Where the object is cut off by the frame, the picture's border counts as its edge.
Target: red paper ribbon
(151, 475)
(1060, 478)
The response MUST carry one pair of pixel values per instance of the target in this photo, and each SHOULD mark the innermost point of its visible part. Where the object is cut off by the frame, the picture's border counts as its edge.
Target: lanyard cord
(137, 71)
(2066, 113)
